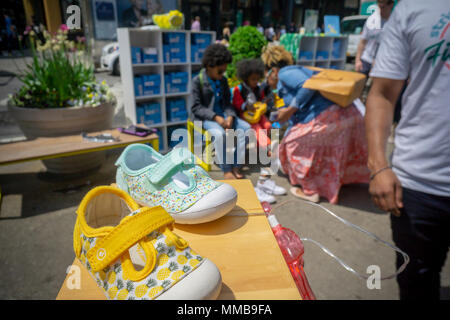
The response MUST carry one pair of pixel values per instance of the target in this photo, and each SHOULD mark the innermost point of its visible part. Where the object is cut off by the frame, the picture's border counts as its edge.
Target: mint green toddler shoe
(174, 182)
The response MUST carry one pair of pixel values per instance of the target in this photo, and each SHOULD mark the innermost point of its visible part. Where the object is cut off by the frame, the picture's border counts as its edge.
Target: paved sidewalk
(38, 213)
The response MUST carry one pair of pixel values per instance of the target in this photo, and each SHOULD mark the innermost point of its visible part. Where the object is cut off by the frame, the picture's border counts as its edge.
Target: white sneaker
(266, 172)
(264, 197)
(270, 187)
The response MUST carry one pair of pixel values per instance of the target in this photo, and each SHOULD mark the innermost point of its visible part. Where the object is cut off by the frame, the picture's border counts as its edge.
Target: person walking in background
(415, 189)
(270, 33)
(292, 28)
(226, 32)
(134, 16)
(9, 33)
(196, 24)
(368, 45)
(282, 30)
(260, 28)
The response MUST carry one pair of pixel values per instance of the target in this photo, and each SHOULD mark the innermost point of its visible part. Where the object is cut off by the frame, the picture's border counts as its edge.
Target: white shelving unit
(316, 44)
(154, 38)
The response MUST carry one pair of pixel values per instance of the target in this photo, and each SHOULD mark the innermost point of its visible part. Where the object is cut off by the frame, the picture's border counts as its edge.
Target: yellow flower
(47, 34)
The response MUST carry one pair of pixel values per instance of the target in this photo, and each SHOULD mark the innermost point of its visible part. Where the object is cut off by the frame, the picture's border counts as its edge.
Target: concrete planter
(36, 122)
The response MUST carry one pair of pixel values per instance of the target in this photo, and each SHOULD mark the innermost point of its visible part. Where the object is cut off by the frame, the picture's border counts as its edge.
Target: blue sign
(104, 11)
(332, 25)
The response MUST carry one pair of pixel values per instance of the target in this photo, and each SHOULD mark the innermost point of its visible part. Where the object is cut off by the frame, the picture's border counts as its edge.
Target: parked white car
(353, 27)
(110, 54)
(110, 58)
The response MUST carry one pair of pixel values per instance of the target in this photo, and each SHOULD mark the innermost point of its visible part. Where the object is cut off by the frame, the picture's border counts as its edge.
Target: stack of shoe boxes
(174, 47)
(153, 113)
(199, 43)
(147, 85)
(151, 84)
(149, 113)
(305, 55)
(322, 55)
(336, 53)
(144, 55)
(176, 82)
(176, 110)
(138, 86)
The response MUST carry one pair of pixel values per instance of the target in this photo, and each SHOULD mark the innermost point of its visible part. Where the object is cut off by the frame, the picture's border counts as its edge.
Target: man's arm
(385, 187)
(358, 63)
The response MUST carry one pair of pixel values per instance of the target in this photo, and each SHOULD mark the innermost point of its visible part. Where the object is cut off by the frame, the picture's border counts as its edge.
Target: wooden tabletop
(242, 246)
(53, 147)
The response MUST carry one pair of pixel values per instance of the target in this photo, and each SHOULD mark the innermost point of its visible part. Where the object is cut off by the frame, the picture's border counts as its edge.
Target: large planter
(54, 122)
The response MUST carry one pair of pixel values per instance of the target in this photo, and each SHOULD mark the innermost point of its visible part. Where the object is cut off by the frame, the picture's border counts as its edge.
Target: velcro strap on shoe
(125, 235)
(168, 165)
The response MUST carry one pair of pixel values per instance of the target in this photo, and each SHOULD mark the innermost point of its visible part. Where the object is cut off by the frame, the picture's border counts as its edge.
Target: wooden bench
(65, 146)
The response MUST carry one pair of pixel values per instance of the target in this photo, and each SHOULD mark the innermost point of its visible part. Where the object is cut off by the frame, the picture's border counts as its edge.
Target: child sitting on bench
(248, 99)
(212, 105)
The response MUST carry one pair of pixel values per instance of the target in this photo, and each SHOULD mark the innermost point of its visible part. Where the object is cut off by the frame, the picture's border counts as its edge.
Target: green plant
(246, 43)
(59, 75)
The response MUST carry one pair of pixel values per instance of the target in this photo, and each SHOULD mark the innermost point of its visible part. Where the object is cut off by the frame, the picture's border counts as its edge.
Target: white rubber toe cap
(212, 206)
(204, 283)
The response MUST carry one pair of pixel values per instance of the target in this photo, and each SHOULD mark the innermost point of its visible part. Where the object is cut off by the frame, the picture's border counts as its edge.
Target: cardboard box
(136, 55)
(322, 55)
(176, 110)
(152, 108)
(152, 80)
(149, 55)
(176, 88)
(242, 246)
(201, 39)
(174, 38)
(138, 86)
(151, 91)
(140, 114)
(305, 55)
(153, 119)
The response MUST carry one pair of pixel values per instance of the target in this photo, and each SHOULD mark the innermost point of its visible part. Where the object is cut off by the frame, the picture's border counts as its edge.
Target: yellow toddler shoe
(132, 253)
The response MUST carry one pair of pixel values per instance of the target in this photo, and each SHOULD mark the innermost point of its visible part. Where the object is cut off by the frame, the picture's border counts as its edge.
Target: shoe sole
(204, 283)
(314, 198)
(269, 192)
(195, 214)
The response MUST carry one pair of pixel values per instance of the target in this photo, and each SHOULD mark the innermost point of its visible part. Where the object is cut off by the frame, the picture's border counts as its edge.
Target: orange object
(253, 117)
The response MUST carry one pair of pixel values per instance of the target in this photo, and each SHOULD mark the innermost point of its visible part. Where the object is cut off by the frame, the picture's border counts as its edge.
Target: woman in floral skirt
(324, 146)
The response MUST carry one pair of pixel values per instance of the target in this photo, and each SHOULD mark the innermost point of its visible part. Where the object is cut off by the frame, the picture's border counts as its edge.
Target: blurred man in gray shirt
(415, 44)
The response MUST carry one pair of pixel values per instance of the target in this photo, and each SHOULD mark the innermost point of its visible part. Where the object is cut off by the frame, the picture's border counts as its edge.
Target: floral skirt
(327, 152)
